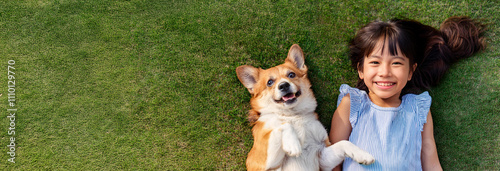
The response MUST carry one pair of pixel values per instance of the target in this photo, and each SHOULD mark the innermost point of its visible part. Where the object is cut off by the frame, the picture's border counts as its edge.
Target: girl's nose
(384, 71)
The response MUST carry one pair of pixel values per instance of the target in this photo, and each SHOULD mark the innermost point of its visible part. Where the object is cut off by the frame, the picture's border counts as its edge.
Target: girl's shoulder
(422, 96)
(422, 100)
(357, 99)
(420, 104)
(356, 95)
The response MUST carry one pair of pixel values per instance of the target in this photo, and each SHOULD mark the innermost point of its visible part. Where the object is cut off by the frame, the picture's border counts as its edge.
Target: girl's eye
(373, 62)
(397, 63)
(291, 75)
(270, 83)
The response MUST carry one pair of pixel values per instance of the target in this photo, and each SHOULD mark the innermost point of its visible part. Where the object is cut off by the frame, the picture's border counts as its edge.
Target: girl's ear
(360, 72)
(412, 70)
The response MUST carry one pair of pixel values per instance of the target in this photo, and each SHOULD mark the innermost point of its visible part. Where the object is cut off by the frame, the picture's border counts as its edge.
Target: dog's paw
(361, 157)
(292, 148)
(358, 155)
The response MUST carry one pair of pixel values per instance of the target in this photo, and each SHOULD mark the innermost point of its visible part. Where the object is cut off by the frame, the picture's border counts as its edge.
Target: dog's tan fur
(257, 156)
(287, 133)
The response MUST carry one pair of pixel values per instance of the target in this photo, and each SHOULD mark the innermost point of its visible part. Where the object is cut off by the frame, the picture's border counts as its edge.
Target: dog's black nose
(284, 86)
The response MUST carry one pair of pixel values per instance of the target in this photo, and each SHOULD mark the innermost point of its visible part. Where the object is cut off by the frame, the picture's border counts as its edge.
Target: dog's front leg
(291, 142)
(282, 140)
(334, 155)
(275, 153)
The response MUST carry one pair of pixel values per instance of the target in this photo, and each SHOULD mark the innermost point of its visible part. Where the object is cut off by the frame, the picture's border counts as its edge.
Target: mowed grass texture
(151, 85)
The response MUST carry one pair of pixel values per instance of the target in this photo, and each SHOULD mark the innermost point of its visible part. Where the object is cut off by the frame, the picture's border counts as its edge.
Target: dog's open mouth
(289, 98)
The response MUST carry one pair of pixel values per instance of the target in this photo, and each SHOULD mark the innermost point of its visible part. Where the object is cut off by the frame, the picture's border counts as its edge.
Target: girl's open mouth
(385, 85)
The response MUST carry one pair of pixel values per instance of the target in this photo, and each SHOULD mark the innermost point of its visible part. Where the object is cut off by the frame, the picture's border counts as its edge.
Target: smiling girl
(387, 114)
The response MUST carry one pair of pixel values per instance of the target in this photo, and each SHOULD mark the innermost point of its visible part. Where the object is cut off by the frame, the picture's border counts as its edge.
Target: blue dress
(393, 135)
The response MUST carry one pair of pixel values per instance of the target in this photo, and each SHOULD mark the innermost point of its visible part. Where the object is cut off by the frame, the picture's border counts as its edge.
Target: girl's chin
(385, 95)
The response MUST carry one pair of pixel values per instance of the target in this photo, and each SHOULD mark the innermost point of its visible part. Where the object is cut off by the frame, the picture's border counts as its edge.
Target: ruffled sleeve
(357, 99)
(423, 102)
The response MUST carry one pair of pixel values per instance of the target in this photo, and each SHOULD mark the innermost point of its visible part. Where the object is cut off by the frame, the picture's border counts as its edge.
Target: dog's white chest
(300, 137)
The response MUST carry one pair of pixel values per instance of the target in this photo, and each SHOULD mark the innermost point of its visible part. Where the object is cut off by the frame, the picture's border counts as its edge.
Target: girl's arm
(429, 157)
(341, 126)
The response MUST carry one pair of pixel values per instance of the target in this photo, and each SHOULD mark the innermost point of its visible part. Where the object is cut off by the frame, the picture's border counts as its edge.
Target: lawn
(151, 85)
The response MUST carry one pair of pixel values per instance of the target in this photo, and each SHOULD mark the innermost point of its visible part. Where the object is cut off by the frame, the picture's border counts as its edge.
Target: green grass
(150, 85)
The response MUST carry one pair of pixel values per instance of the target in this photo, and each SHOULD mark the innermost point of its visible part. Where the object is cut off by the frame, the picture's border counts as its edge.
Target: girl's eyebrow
(373, 56)
(399, 57)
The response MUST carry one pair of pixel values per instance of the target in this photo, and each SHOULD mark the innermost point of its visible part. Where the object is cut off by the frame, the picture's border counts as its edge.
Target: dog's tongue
(288, 96)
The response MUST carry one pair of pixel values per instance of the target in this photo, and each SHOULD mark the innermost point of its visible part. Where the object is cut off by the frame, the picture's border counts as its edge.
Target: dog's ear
(248, 76)
(296, 56)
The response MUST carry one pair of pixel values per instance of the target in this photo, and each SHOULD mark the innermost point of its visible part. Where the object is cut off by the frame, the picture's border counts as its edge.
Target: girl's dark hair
(433, 50)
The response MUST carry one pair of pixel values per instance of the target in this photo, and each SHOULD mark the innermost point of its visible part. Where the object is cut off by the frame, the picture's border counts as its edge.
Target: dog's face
(283, 89)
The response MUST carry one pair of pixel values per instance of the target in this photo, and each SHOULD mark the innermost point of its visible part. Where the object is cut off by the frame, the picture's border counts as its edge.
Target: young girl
(387, 114)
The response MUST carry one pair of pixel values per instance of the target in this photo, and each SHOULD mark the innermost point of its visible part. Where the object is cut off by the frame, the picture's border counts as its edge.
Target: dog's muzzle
(287, 94)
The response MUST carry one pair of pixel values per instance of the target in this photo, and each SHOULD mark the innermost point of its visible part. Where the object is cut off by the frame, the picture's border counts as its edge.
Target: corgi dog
(286, 130)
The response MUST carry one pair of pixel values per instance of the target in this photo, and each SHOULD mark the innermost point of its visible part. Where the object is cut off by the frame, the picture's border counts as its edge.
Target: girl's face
(385, 75)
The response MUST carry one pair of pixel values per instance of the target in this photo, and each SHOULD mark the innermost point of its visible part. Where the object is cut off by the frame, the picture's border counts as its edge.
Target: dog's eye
(291, 75)
(270, 83)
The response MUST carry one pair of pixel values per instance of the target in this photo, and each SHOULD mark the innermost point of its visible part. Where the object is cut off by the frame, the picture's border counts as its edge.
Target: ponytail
(463, 36)
(458, 38)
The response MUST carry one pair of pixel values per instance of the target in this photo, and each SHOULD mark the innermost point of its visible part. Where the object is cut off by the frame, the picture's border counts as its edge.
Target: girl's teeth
(385, 84)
